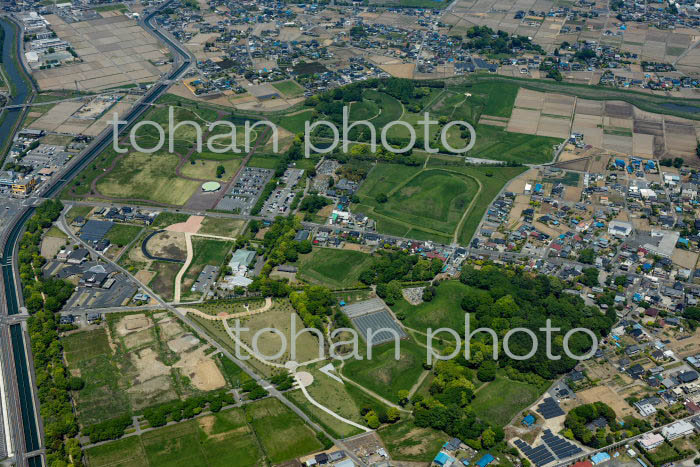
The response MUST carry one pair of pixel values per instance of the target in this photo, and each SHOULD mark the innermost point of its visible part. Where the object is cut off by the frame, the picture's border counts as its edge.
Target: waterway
(14, 74)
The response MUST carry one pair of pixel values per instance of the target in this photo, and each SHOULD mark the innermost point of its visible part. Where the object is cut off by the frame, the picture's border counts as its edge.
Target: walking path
(183, 269)
(224, 316)
(326, 409)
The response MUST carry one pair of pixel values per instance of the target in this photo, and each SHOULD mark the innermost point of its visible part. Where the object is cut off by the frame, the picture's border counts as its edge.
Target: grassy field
(332, 267)
(497, 144)
(501, 399)
(443, 311)
(103, 396)
(428, 204)
(221, 439)
(500, 97)
(295, 122)
(384, 374)
(363, 110)
(407, 442)
(281, 433)
(222, 226)
(344, 399)
(289, 88)
(121, 234)
(264, 161)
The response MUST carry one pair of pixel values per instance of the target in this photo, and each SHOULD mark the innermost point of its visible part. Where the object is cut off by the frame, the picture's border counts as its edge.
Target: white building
(619, 228)
(651, 441)
(645, 410)
(677, 430)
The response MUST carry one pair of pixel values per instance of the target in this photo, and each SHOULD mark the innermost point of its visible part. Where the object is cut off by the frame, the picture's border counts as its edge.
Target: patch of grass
(295, 123)
(289, 88)
(363, 110)
(122, 453)
(103, 396)
(496, 143)
(163, 283)
(121, 234)
(282, 434)
(206, 251)
(78, 211)
(385, 375)
(406, 441)
(222, 226)
(501, 399)
(232, 372)
(500, 97)
(443, 311)
(113, 7)
(332, 267)
(264, 161)
(55, 232)
(164, 219)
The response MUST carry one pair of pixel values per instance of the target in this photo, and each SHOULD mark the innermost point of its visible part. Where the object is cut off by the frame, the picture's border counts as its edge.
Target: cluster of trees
(668, 456)
(676, 162)
(483, 39)
(282, 381)
(577, 419)
(375, 417)
(502, 299)
(314, 304)
(109, 429)
(254, 390)
(402, 266)
(182, 410)
(313, 203)
(53, 379)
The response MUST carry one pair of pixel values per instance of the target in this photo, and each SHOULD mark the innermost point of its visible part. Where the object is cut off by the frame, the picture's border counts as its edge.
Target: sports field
(332, 267)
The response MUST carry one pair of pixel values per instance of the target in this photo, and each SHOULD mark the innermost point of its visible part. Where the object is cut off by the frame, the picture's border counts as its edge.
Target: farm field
(406, 441)
(289, 88)
(220, 439)
(385, 375)
(281, 433)
(333, 267)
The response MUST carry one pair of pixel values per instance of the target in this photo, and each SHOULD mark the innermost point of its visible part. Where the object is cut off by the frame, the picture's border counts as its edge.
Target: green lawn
(221, 439)
(282, 434)
(363, 110)
(121, 234)
(207, 251)
(222, 226)
(501, 399)
(497, 144)
(264, 161)
(443, 311)
(332, 267)
(384, 374)
(295, 123)
(405, 441)
(500, 97)
(428, 204)
(289, 88)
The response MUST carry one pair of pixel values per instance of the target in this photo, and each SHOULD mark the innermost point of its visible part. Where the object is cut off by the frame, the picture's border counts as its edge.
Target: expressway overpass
(18, 379)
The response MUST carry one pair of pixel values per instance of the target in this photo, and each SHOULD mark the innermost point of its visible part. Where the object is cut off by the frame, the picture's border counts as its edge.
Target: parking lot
(278, 204)
(246, 190)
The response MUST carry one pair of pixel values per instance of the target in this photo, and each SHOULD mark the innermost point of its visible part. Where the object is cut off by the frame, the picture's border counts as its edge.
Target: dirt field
(50, 246)
(192, 225)
(168, 244)
(132, 323)
(607, 395)
(201, 369)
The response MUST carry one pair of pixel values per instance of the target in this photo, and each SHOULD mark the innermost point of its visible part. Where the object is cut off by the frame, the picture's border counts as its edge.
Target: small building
(651, 441)
(529, 420)
(484, 461)
(600, 458)
(443, 458)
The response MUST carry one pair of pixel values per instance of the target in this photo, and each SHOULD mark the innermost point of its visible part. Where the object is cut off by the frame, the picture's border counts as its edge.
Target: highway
(27, 432)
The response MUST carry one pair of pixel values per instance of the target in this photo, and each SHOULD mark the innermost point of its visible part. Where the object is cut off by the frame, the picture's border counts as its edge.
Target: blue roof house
(486, 460)
(529, 420)
(443, 458)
